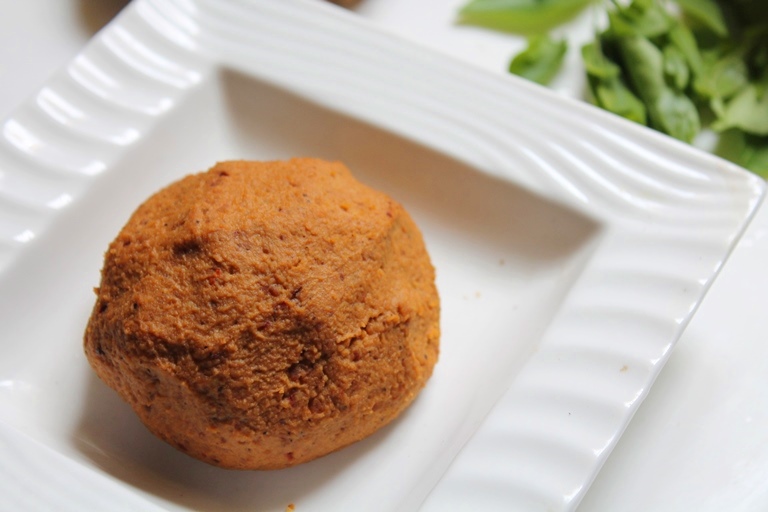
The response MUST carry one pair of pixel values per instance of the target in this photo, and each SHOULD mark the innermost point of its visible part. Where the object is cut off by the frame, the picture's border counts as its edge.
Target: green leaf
(706, 12)
(722, 78)
(683, 39)
(608, 89)
(748, 151)
(644, 64)
(757, 160)
(675, 114)
(520, 16)
(614, 96)
(645, 18)
(747, 111)
(597, 64)
(676, 69)
(670, 111)
(541, 60)
(718, 107)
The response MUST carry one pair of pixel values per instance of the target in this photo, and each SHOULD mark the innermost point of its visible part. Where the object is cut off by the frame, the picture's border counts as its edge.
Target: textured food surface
(262, 314)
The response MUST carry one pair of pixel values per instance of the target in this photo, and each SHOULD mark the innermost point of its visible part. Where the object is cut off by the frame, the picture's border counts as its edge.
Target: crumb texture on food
(262, 314)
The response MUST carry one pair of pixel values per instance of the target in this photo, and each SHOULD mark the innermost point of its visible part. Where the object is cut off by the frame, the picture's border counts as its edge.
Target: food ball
(263, 314)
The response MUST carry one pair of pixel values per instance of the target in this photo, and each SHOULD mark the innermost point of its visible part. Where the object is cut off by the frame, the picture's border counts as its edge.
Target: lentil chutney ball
(263, 314)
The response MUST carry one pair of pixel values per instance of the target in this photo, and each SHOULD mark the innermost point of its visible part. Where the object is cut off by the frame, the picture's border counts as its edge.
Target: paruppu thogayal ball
(262, 314)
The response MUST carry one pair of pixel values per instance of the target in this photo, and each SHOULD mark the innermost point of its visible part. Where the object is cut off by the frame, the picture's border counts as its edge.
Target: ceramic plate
(571, 247)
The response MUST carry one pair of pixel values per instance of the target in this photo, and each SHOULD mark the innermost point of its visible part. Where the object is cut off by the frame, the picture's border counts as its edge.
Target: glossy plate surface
(572, 248)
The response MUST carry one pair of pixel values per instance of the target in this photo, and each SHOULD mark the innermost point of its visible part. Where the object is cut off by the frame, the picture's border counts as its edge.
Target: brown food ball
(263, 314)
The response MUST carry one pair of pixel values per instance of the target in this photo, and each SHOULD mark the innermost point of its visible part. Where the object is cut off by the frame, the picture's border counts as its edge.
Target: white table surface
(700, 439)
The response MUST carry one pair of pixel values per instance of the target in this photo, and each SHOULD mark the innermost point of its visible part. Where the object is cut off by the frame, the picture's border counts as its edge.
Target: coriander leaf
(597, 64)
(671, 112)
(757, 160)
(717, 105)
(747, 111)
(614, 96)
(748, 151)
(644, 64)
(675, 67)
(722, 78)
(541, 60)
(640, 18)
(706, 12)
(520, 16)
(675, 114)
(683, 39)
(608, 89)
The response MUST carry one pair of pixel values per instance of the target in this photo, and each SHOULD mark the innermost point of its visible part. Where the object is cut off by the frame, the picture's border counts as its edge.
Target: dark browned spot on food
(316, 405)
(289, 395)
(297, 370)
(186, 248)
(103, 307)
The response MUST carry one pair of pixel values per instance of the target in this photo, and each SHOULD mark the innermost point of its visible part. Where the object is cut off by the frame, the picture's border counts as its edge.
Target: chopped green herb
(683, 39)
(676, 70)
(747, 111)
(664, 63)
(608, 89)
(541, 60)
(520, 16)
(748, 151)
(670, 111)
(707, 13)
(597, 64)
(723, 77)
(640, 18)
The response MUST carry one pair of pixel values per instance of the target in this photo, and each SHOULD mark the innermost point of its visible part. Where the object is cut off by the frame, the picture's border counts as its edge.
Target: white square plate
(571, 247)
